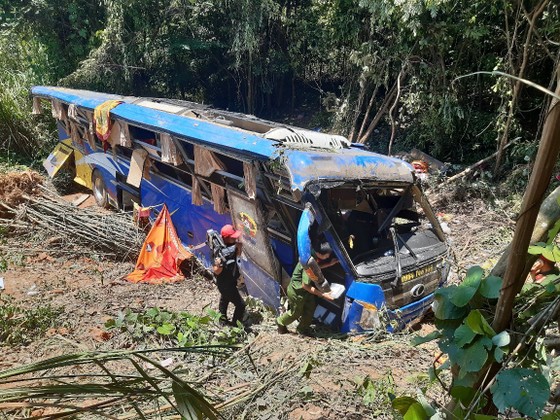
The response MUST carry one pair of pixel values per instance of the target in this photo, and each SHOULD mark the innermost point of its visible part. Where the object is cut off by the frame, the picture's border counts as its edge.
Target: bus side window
(144, 136)
(276, 224)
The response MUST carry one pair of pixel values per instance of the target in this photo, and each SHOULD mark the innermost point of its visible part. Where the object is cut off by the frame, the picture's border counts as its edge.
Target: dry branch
(112, 232)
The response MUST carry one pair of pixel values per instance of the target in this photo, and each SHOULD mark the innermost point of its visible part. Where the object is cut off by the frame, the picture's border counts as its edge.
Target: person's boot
(282, 329)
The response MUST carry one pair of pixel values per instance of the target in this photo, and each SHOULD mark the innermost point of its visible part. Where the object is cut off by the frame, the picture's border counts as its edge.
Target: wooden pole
(542, 171)
(548, 215)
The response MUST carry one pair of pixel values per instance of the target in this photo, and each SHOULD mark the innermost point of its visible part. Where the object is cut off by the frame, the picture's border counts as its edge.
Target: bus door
(259, 265)
(327, 312)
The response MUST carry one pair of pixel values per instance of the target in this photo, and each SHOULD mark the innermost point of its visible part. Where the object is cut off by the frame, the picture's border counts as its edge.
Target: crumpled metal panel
(307, 166)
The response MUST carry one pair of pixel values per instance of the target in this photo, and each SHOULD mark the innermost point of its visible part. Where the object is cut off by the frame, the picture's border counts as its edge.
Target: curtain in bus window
(37, 106)
(73, 112)
(125, 139)
(91, 131)
(218, 197)
(75, 134)
(136, 171)
(116, 134)
(206, 162)
(103, 123)
(57, 110)
(196, 192)
(250, 179)
(169, 152)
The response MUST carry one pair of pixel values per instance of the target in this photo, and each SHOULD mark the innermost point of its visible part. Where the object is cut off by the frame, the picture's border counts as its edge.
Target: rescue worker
(226, 270)
(302, 291)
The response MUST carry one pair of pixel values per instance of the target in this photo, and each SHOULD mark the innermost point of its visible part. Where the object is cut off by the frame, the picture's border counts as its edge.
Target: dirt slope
(350, 377)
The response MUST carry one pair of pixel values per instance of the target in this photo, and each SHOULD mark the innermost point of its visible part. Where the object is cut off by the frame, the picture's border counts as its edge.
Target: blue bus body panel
(260, 285)
(285, 254)
(191, 222)
(373, 294)
(352, 164)
(303, 166)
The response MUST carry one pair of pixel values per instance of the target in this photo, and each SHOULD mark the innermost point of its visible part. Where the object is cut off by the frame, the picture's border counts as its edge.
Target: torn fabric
(73, 112)
(37, 106)
(196, 192)
(136, 170)
(102, 118)
(169, 152)
(218, 197)
(250, 179)
(206, 162)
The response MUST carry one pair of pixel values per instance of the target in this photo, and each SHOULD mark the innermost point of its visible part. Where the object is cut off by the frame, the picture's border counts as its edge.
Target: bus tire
(99, 189)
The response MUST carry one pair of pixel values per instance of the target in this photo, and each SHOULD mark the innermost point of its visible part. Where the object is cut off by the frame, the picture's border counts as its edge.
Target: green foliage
(524, 389)
(20, 326)
(268, 57)
(470, 343)
(308, 367)
(133, 388)
(377, 394)
(550, 251)
(412, 409)
(178, 328)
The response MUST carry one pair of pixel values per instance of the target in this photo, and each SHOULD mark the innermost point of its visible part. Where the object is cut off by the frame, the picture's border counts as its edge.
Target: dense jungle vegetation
(381, 72)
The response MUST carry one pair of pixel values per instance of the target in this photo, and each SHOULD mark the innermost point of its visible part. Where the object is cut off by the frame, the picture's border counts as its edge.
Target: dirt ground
(88, 288)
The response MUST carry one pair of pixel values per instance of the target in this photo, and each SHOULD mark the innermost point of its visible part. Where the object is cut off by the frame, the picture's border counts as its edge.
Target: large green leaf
(444, 308)
(415, 412)
(502, 339)
(499, 354)
(473, 357)
(490, 287)
(425, 339)
(463, 394)
(524, 390)
(551, 416)
(552, 233)
(476, 322)
(464, 335)
(549, 251)
(467, 289)
(402, 404)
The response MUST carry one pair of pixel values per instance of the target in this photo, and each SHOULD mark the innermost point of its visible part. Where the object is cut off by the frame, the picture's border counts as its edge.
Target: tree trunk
(384, 106)
(515, 274)
(368, 111)
(547, 217)
(357, 111)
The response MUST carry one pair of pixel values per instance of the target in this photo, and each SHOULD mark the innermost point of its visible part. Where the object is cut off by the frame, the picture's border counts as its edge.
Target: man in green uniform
(301, 294)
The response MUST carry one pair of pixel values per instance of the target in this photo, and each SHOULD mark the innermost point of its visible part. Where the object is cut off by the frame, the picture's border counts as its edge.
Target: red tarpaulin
(161, 255)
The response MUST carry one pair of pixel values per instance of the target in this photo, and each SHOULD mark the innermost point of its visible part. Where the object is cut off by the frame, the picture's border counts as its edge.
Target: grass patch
(21, 326)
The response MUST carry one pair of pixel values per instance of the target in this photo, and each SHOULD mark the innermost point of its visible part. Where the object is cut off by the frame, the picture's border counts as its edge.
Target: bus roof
(303, 165)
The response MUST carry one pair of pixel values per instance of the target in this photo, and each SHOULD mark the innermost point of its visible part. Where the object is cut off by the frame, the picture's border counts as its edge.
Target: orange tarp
(161, 255)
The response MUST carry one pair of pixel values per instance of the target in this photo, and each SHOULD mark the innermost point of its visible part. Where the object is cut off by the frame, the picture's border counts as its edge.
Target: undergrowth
(20, 326)
(176, 328)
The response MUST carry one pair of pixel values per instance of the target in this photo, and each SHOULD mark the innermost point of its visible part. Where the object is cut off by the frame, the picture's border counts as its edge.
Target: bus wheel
(99, 189)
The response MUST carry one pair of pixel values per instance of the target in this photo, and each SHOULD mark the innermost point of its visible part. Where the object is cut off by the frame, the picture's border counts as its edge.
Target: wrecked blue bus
(276, 183)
